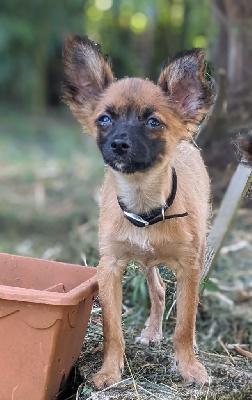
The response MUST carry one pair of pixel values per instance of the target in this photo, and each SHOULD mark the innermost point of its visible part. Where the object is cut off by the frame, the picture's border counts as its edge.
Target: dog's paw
(104, 379)
(193, 372)
(150, 337)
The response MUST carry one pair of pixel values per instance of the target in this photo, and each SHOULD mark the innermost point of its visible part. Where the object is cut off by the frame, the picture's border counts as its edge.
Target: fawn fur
(143, 132)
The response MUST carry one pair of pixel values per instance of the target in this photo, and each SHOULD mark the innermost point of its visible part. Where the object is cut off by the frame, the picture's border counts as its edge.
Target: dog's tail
(244, 144)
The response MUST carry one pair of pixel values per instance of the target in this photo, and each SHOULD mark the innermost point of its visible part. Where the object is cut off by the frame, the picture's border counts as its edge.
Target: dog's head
(135, 122)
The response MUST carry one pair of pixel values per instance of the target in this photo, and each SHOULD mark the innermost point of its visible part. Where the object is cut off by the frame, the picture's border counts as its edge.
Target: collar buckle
(131, 216)
(162, 212)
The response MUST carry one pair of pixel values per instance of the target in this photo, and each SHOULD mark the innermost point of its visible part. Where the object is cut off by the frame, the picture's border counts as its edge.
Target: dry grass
(154, 371)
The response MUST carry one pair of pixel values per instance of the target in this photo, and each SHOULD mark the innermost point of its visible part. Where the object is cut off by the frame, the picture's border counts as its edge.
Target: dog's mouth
(127, 164)
(121, 167)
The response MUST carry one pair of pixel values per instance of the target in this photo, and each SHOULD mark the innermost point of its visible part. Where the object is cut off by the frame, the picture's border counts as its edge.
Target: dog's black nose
(120, 146)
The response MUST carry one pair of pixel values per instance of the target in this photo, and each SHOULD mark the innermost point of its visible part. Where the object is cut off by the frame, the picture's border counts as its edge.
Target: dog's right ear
(87, 74)
(188, 85)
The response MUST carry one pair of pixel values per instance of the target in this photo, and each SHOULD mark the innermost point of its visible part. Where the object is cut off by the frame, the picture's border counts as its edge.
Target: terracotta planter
(44, 310)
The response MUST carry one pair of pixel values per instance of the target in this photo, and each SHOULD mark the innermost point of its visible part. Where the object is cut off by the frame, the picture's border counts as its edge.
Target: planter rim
(72, 297)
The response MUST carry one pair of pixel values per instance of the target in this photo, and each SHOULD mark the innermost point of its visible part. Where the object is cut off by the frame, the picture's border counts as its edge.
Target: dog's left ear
(87, 73)
(186, 81)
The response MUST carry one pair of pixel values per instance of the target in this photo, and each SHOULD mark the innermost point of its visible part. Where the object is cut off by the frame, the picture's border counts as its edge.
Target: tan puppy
(154, 205)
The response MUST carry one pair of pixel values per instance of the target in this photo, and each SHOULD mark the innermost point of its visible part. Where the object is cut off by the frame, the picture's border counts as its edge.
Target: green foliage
(31, 35)
(207, 283)
(135, 287)
(138, 35)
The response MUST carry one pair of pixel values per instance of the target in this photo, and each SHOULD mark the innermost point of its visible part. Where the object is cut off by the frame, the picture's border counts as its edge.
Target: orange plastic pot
(44, 310)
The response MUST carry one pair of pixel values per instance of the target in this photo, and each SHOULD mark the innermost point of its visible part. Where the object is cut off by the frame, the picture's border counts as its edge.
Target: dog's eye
(153, 122)
(104, 120)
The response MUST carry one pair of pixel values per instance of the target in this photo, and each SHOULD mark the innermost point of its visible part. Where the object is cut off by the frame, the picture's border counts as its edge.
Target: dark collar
(155, 215)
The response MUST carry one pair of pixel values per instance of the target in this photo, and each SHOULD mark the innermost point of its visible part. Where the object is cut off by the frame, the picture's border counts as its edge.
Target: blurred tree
(31, 33)
(138, 36)
(233, 52)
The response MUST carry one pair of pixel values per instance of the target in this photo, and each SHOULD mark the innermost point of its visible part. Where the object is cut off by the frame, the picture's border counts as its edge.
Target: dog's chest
(139, 238)
(146, 246)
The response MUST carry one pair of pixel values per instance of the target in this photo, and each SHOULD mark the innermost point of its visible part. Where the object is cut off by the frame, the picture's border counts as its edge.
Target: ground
(50, 175)
(224, 317)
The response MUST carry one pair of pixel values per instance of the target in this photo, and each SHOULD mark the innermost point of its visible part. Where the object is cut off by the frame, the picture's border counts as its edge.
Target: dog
(155, 198)
(244, 145)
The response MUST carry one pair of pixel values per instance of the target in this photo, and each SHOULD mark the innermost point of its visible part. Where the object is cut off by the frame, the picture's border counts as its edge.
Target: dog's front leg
(109, 276)
(188, 278)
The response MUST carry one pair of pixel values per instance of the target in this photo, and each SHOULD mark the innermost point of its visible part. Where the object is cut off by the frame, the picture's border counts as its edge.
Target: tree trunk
(39, 89)
(40, 59)
(233, 52)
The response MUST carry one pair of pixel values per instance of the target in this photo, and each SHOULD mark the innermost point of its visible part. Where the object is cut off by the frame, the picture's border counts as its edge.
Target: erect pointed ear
(187, 82)
(87, 74)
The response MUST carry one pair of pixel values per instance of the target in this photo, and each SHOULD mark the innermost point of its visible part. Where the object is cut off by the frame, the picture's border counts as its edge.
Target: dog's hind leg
(188, 277)
(152, 333)
(109, 274)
